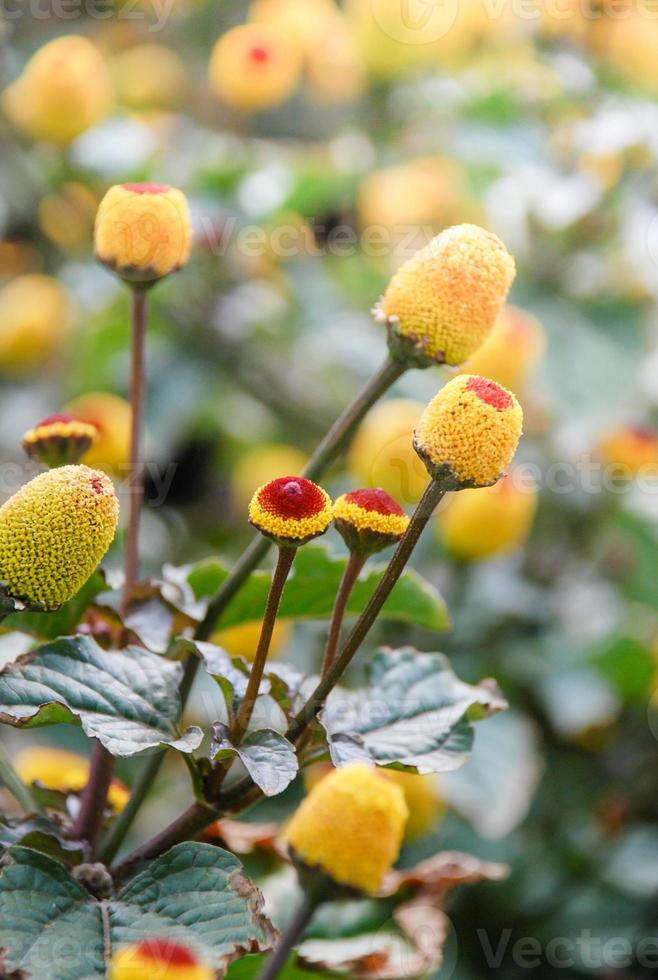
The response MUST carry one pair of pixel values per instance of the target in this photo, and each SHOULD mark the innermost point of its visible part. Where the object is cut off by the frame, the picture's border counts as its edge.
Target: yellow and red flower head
(349, 827)
(143, 231)
(369, 520)
(255, 67)
(469, 432)
(291, 510)
(59, 439)
(158, 959)
(633, 448)
(441, 304)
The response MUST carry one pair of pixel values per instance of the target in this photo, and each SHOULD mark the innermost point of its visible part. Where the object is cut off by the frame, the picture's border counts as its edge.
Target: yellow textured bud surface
(469, 431)
(255, 67)
(63, 772)
(424, 802)
(382, 452)
(351, 826)
(291, 510)
(158, 959)
(512, 350)
(369, 519)
(485, 522)
(149, 76)
(446, 299)
(64, 89)
(260, 465)
(35, 319)
(111, 416)
(54, 532)
(143, 231)
(241, 641)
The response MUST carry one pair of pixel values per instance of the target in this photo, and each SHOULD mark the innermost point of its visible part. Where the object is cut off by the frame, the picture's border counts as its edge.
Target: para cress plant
(176, 906)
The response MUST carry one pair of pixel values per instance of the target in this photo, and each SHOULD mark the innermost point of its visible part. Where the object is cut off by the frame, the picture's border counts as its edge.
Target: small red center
(53, 419)
(292, 497)
(643, 433)
(167, 951)
(259, 54)
(147, 188)
(373, 498)
(96, 484)
(489, 392)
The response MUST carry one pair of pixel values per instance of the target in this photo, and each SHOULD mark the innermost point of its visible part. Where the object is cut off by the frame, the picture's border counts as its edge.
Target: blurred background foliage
(319, 145)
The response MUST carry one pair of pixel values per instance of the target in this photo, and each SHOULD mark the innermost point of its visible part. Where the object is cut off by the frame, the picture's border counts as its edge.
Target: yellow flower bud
(54, 532)
(59, 439)
(382, 452)
(260, 465)
(510, 353)
(442, 303)
(35, 319)
(481, 523)
(158, 959)
(64, 89)
(631, 447)
(111, 417)
(469, 432)
(350, 826)
(255, 67)
(143, 231)
(241, 641)
(424, 802)
(63, 772)
(149, 76)
(369, 520)
(290, 510)
(66, 217)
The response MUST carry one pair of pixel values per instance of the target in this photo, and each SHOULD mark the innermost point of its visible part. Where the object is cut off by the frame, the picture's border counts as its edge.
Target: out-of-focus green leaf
(43, 835)
(195, 894)
(627, 664)
(60, 623)
(126, 699)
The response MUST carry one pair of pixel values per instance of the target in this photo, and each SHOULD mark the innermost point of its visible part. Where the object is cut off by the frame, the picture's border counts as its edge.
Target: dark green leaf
(41, 834)
(415, 713)
(195, 894)
(64, 620)
(126, 699)
(269, 758)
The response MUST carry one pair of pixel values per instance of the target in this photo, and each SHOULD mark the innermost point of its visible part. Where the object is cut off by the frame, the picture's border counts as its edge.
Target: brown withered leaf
(244, 838)
(7, 974)
(441, 873)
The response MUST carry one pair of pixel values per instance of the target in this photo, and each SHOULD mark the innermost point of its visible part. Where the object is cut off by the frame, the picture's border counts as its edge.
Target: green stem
(326, 453)
(290, 938)
(145, 778)
(15, 784)
(350, 575)
(136, 468)
(88, 824)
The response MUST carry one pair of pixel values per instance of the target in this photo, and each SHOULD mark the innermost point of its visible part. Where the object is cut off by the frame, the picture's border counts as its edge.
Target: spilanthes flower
(36, 315)
(631, 447)
(111, 416)
(64, 89)
(254, 67)
(350, 827)
(143, 231)
(369, 520)
(424, 801)
(63, 772)
(59, 439)
(158, 959)
(441, 304)
(291, 510)
(260, 464)
(242, 641)
(510, 353)
(469, 432)
(54, 532)
(149, 76)
(479, 524)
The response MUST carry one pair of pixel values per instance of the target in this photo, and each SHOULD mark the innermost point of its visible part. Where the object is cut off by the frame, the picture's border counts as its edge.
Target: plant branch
(15, 784)
(136, 468)
(290, 938)
(352, 570)
(94, 796)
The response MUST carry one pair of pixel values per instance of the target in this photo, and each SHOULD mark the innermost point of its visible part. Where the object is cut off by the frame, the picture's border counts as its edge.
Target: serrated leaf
(195, 894)
(269, 758)
(415, 713)
(127, 699)
(312, 589)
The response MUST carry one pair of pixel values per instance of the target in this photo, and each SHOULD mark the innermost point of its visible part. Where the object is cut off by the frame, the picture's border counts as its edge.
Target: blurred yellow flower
(64, 89)
(424, 802)
(54, 532)
(63, 772)
(629, 43)
(66, 216)
(241, 641)
(149, 76)
(35, 319)
(512, 350)
(254, 67)
(382, 453)
(478, 524)
(159, 958)
(111, 416)
(143, 231)
(469, 432)
(350, 826)
(260, 465)
(631, 447)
